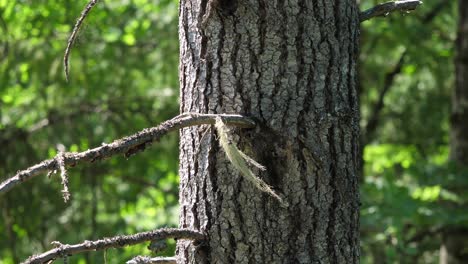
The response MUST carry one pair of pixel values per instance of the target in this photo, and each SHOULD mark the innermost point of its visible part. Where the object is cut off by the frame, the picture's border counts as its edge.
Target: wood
(291, 66)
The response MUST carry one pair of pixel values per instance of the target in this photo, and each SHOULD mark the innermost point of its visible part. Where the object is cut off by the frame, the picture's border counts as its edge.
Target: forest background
(124, 78)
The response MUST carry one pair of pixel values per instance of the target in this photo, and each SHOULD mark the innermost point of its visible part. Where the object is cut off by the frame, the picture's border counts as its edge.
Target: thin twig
(114, 242)
(149, 260)
(72, 38)
(128, 145)
(388, 7)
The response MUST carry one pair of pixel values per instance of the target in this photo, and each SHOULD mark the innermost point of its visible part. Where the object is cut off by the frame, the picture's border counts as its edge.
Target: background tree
(455, 237)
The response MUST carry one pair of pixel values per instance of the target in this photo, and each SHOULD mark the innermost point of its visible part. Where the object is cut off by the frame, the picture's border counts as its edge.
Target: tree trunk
(454, 249)
(290, 65)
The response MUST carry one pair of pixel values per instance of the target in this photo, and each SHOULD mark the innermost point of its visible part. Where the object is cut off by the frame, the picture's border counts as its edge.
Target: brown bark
(454, 247)
(291, 66)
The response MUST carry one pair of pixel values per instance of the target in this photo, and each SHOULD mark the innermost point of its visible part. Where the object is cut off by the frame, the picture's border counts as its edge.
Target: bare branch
(76, 28)
(63, 250)
(388, 7)
(148, 260)
(128, 146)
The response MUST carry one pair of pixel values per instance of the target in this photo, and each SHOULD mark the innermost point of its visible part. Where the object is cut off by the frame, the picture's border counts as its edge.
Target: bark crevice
(285, 64)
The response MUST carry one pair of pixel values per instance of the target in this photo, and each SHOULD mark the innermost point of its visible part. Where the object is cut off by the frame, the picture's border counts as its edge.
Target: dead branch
(128, 145)
(149, 260)
(64, 250)
(76, 28)
(388, 7)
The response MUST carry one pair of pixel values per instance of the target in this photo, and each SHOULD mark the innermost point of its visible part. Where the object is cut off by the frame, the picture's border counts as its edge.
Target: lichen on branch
(240, 160)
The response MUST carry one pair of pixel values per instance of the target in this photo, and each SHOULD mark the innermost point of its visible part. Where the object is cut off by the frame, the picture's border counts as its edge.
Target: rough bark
(454, 249)
(291, 66)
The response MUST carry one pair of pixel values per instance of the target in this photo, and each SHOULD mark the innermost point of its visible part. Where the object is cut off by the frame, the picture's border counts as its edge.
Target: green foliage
(407, 199)
(408, 182)
(123, 78)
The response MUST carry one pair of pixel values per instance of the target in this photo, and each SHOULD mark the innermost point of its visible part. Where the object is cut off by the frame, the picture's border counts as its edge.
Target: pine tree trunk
(290, 65)
(454, 249)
